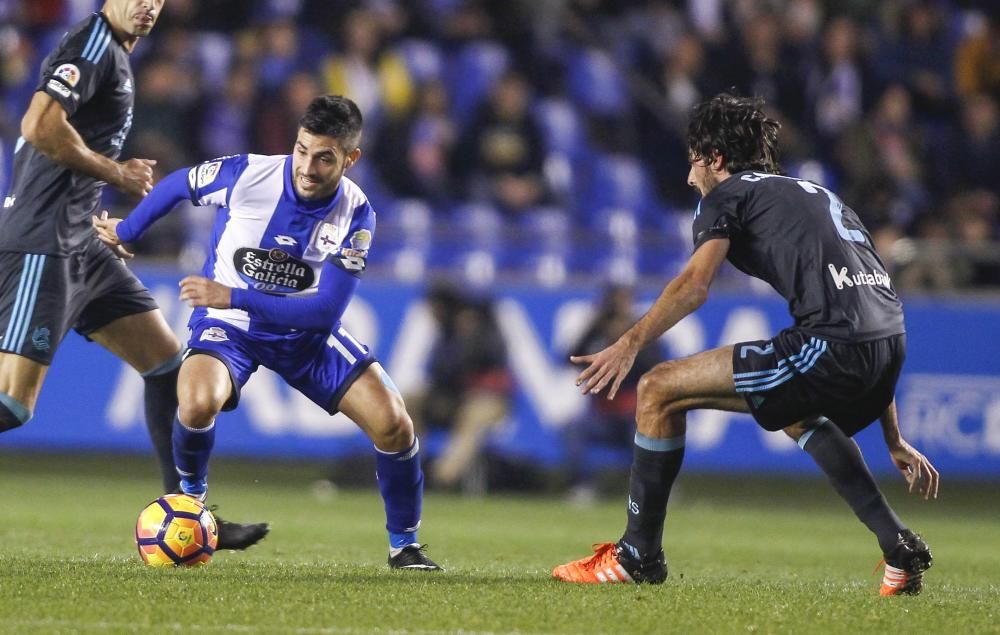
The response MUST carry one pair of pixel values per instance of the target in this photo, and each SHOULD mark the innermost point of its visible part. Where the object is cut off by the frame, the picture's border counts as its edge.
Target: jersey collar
(101, 16)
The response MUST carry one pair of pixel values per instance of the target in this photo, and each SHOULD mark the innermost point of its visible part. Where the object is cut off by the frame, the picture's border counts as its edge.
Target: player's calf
(192, 449)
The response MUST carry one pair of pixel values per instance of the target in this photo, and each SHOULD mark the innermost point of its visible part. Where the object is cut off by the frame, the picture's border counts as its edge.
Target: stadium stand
(895, 104)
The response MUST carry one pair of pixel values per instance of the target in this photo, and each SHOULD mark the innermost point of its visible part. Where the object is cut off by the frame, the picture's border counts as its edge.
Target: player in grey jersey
(820, 381)
(54, 272)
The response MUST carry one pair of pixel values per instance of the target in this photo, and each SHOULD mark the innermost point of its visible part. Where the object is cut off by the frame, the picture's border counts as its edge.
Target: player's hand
(921, 476)
(107, 232)
(609, 366)
(200, 291)
(135, 177)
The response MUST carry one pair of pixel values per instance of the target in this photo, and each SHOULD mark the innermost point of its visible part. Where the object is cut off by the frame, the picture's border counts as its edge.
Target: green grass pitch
(781, 555)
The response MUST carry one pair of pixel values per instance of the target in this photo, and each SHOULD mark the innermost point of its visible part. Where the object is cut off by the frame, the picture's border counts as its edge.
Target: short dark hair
(334, 116)
(736, 129)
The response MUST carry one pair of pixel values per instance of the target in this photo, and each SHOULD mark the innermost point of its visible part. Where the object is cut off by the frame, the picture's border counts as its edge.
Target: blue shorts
(320, 366)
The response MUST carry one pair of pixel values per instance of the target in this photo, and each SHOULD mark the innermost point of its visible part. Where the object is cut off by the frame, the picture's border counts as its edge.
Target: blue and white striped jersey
(268, 239)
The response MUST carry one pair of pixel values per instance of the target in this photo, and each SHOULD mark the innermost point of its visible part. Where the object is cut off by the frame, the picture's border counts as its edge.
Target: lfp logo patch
(69, 73)
(361, 240)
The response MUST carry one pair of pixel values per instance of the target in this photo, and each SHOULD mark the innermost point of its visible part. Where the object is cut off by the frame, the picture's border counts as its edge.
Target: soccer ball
(176, 530)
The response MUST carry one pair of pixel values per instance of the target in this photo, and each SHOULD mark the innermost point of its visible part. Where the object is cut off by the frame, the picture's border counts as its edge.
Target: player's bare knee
(654, 389)
(648, 389)
(397, 435)
(198, 409)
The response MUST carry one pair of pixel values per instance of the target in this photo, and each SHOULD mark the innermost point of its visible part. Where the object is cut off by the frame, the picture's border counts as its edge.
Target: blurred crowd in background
(545, 139)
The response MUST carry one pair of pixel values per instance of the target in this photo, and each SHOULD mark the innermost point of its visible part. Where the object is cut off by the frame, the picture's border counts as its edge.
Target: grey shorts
(43, 296)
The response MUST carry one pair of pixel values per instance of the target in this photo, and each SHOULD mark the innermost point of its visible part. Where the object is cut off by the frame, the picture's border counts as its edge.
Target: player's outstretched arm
(918, 471)
(318, 312)
(113, 232)
(681, 297)
(46, 127)
(170, 191)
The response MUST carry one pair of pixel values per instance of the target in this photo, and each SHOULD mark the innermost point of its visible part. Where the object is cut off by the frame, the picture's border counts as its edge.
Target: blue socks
(192, 448)
(401, 483)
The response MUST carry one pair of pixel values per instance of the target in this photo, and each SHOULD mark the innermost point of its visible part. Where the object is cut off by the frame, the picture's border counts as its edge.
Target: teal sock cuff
(659, 445)
(167, 366)
(821, 421)
(17, 409)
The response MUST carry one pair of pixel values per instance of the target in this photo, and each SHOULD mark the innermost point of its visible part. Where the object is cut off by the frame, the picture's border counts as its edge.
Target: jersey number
(836, 205)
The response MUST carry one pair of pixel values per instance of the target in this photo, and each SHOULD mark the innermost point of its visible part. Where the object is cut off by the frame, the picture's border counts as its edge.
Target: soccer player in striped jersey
(291, 240)
(54, 273)
(820, 381)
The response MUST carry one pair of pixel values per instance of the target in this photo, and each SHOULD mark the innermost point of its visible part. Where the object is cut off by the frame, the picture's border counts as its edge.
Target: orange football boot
(611, 564)
(905, 566)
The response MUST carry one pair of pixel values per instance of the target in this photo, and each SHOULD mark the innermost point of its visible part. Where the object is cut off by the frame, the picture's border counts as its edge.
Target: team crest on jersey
(214, 334)
(69, 73)
(40, 339)
(272, 270)
(328, 237)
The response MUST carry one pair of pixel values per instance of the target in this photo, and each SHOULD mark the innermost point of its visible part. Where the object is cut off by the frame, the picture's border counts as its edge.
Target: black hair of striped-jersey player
(334, 116)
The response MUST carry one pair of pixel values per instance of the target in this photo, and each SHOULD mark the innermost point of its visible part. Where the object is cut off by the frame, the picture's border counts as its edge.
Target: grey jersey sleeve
(74, 72)
(717, 215)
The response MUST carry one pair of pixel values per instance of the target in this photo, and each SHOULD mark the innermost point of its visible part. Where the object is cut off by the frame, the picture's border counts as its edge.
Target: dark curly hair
(736, 129)
(334, 116)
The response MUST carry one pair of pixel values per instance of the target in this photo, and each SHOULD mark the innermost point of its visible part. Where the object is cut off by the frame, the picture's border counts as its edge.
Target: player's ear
(718, 162)
(353, 157)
